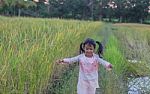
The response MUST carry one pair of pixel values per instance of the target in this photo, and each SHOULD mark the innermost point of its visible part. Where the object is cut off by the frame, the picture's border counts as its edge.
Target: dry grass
(131, 25)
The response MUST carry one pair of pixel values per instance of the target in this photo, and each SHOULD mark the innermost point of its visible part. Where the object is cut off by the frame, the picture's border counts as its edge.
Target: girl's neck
(88, 56)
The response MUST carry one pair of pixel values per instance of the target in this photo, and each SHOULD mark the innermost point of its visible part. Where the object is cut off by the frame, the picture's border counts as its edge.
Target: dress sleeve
(72, 59)
(106, 64)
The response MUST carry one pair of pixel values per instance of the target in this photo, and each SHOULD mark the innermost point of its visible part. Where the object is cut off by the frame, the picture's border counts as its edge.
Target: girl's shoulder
(81, 55)
(95, 55)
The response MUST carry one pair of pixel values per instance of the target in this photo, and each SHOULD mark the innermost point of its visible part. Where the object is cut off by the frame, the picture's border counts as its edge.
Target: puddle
(139, 85)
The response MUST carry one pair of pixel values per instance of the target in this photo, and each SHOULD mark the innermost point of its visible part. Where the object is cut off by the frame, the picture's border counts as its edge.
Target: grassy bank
(112, 82)
(135, 41)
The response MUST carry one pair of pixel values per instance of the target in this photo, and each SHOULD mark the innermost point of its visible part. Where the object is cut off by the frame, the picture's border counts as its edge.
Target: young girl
(88, 63)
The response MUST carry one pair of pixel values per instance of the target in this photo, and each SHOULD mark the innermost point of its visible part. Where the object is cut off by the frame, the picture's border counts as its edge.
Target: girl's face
(89, 50)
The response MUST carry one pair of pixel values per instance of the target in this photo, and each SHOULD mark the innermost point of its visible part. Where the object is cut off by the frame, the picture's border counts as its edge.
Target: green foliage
(114, 80)
(114, 55)
(123, 10)
(134, 39)
(19, 3)
(29, 48)
(11, 7)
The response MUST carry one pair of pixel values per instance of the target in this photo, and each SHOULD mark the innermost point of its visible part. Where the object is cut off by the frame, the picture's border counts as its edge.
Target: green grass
(134, 39)
(112, 81)
(29, 48)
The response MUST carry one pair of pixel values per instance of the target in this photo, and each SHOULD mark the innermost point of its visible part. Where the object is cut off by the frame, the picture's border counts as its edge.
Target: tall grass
(134, 39)
(117, 53)
(111, 82)
(29, 48)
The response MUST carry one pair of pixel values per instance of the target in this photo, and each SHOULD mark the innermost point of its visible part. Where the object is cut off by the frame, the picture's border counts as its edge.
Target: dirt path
(105, 33)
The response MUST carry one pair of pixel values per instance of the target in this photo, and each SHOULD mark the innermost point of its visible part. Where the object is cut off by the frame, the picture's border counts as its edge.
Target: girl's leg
(82, 87)
(93, 84)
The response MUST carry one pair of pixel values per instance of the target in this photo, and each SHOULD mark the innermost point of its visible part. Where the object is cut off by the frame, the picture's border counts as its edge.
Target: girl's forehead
(89, 46)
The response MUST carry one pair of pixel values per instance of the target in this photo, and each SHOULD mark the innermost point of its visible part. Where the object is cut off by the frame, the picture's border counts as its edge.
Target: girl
(88, 63)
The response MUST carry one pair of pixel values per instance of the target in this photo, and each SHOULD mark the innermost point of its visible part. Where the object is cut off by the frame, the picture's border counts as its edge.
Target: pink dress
(88, 72)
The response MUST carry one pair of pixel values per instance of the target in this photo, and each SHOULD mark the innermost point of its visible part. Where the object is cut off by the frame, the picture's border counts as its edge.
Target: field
(29, 48)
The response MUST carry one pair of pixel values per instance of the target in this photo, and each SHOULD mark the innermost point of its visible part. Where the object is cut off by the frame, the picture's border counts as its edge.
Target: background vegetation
(106, 10)
(29, 48)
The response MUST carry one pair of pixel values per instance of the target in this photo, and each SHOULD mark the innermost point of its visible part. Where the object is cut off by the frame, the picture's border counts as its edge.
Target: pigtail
(100, 49)
(81, 48)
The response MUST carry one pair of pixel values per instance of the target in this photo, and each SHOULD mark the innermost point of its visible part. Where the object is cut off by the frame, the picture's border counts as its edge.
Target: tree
(120, 10)
(132, 10)
(19, 4)
(12, 5)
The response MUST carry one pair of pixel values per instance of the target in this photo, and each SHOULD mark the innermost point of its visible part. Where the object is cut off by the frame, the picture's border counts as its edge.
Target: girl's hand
(61, 61)
(109, 67)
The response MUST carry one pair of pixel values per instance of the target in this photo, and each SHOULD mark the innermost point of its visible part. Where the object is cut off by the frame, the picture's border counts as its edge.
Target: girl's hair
(92, 42)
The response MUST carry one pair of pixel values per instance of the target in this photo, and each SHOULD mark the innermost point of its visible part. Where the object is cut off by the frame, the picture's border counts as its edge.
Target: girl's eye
(89, 49)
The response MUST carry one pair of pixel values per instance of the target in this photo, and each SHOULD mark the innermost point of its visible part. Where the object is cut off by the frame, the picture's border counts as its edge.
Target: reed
(29, 48)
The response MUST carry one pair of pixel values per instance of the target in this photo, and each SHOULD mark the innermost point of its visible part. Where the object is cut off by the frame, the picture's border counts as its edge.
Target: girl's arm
(69, 60)
(106, 64)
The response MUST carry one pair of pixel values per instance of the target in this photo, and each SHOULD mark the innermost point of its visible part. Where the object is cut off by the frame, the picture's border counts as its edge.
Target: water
(139, 85)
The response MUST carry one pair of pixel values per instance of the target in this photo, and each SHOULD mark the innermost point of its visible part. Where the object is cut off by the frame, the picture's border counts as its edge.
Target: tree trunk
(110, 19)
(91, 8)
(141, 20)
(120, 19)
(19, 12)
(100, 17)
(101, 8)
